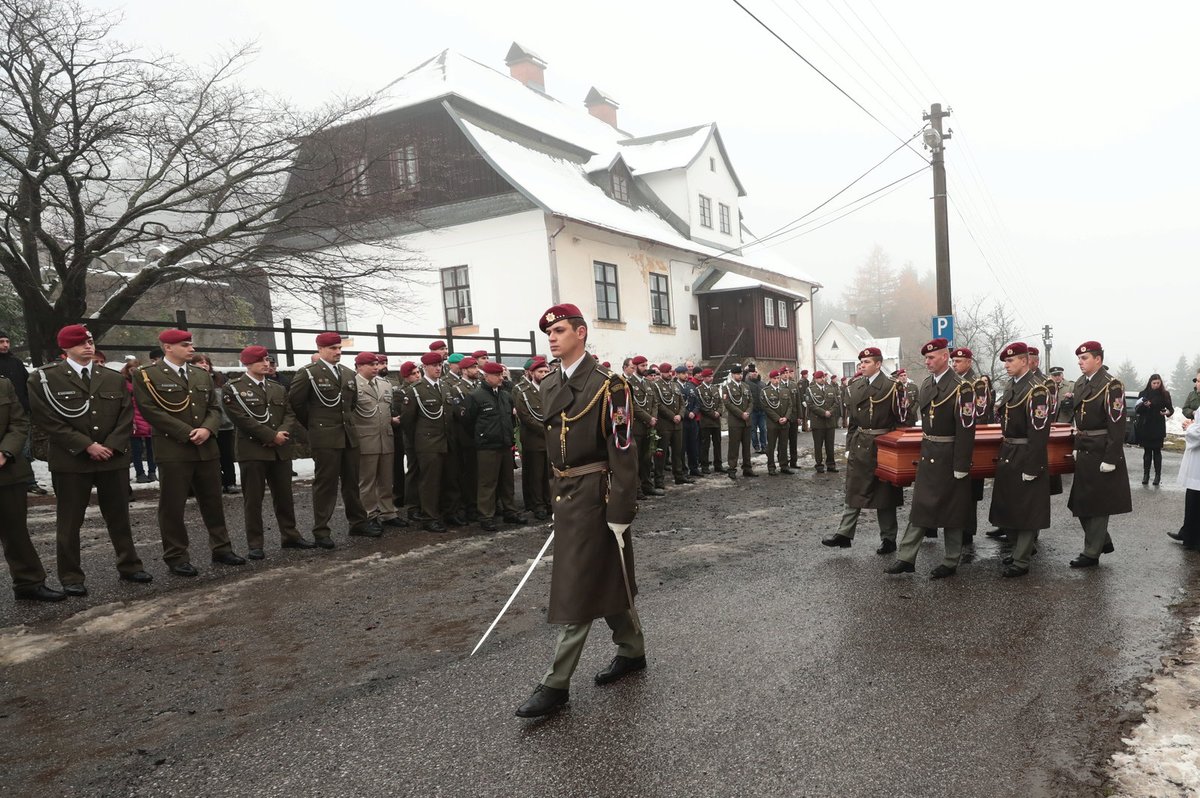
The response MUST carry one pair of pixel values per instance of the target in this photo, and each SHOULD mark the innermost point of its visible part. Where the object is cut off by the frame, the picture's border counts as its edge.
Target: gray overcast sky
(1074, 158)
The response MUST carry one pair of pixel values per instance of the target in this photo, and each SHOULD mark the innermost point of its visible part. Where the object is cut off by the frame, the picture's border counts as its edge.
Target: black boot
(1146, 476)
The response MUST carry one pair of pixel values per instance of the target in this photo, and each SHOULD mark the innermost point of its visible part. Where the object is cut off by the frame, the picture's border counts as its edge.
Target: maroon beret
(329, 339)
(558, 313)
(962, 351)
(73, 335)
(665, 367)
(436, 345)
(638, 360)
(803, 371)
(381, 359)
(706, 373)
(818, 375)
(365, 359)
(478, 353)
(492, 368)
(606, 364)
(174, 336)
(1014, 349)
(538, 362)
(870, 351)
(253, 354)
(467, 362)
(407, 368)
(1033, 350)
(936, 345)
(1089, 346)
(431, 359)
(774, 373)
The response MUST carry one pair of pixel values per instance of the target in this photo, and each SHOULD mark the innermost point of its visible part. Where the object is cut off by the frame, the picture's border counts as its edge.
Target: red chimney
(527, 67)
(602, 106)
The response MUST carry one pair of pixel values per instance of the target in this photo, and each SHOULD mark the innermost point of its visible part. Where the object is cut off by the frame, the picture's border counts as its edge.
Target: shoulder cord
(170, 407)
(643, 402)
(729, 394)
(421, 406)
(374, 411)
(567, 420)
(767, 400)
(711, 400)
(320, 396)
(60, 408)
(529, 405)
(254, 416)
(618, 418)
(812, 395)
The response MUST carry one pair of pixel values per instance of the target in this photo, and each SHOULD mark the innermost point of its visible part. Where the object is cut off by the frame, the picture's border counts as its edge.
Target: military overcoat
(946, 408)
(874, 409)
(1099, 438)
(1024, 411)
(14, 430)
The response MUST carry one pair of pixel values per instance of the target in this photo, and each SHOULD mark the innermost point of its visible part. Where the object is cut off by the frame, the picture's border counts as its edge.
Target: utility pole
(1048, 342)
(935, 140)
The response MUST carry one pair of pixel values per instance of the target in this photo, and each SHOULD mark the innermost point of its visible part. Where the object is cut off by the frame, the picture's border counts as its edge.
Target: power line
(999, 283)
(887, 52)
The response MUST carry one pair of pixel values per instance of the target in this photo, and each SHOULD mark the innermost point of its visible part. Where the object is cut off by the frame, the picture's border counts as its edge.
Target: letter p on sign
(943, 327)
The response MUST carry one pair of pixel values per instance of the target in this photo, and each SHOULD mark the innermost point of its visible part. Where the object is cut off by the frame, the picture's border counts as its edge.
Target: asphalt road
(777, 667)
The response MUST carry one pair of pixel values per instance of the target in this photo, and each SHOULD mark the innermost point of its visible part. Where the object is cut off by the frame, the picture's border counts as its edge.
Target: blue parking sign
(943, 327)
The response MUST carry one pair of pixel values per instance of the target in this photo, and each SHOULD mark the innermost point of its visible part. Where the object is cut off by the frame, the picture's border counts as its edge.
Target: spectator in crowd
(12, 367)
(226, 434)
(1153, 409)
(758, 416)
(154, 355)
(1192, 404)
(1189, 479)
(142, 440)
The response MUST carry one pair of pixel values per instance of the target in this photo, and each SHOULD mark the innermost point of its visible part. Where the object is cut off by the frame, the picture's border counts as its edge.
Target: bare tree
(985, 327)
(105, 151)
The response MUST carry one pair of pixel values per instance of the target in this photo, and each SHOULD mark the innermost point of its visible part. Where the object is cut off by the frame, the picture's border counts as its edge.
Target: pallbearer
(1021, 493)
(942, 493)
(875, 408)
(962, 360)
(1101, 484)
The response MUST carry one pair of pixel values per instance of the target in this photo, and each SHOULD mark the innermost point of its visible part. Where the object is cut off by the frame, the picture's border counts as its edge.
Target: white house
(840, 342)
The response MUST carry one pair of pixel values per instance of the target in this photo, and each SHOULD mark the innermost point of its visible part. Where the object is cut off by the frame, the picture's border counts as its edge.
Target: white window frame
(358, 184)
(768, 311)
(706, 219)
(783, 314)
(620, 188)
(464, 314)
(665, 294)
(406, 171)
(725, 215)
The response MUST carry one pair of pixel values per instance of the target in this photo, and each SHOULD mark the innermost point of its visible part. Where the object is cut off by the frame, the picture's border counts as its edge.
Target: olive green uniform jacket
(314, 387)
(105, 416)
(174, 408)
(258, 412)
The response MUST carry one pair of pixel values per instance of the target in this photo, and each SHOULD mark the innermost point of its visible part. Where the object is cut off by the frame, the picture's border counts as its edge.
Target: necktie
(183, 374)
(83, 374)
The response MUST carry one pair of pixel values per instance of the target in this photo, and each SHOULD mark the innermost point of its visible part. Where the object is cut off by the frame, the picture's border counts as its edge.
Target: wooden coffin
(900, 450)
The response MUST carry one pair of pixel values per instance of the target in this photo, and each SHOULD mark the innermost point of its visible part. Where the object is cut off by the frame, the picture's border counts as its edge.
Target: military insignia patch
(1039, 412)
(549, 318)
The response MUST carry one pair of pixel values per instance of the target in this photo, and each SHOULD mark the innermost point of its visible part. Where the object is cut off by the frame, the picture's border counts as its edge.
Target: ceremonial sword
(520, 585)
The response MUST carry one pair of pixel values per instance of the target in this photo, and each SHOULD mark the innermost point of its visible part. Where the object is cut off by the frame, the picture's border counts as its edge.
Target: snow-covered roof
(732, 281)
(860, 338)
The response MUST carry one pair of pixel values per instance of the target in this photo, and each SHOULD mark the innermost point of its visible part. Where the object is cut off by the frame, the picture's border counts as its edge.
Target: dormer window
(712, 164)
(620, 188)
(726, 223)
(705, 212)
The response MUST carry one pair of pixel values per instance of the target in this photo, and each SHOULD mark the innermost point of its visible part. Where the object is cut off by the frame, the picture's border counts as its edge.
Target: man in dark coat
(824, 410)
(535, 469)
(490, 414)
(962, 360)
(594, 486)
(645, 419)
(777, 404)
(1021, 492)
(711, 411)
(1062, 396)
(942, 493)
(425, 422)
(669, 396)
(875, 408)
(738, 401)
(1101, 484)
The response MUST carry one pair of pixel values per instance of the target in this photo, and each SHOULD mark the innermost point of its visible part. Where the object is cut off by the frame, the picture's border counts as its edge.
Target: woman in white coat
(1189, 478)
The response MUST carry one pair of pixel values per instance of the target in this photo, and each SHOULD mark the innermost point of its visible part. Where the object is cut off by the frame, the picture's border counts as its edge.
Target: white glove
(619, 531)
(961, 474)
(1027, 478)
(1107, 468)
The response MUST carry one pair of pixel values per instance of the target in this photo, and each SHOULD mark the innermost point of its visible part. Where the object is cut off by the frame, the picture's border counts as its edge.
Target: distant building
(840, 342)
(519, 201)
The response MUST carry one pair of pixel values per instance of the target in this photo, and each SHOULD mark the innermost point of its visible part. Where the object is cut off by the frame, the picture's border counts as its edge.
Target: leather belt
(1016, 441)
(873, 431)
(1091, 433)
(939, 438)
(578, 471)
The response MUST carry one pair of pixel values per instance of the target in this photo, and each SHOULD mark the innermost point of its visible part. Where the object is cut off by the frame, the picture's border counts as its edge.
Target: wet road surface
(777, 666)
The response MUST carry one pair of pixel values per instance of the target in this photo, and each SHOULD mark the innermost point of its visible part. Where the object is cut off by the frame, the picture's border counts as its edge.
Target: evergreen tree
(1127, 373)
(1181, 378)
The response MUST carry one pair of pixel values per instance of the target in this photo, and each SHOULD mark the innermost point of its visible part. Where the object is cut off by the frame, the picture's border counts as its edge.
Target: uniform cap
(381, 359)
(936, 345)
(681, 369)
(557, 313)
(638, 360)
(365, 359)
(870, 351)
(492, 367)
(431, 359)
(736, 368)
(478, 353)
(436, 345)
(1089, 346)
(253, 354)
(773, 374)
(1056, 370)
(329, 339)
(456, 358)
(407, 368)
(467, 362)
(1014, 349)
(174, 336)
(818, 375)
(73, 335)
(962, 351)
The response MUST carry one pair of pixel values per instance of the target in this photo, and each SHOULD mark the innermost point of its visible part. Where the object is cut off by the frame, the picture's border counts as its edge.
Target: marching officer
(875, 408)
(962, 360)
(180, 402)
(1101, 485)
(1021, 491)
(323, 396)
(942, 493)
(259, 409)
(669, 398)
(738, 401)
(425, 421)
(594, 486)
(87, 415)
(490, 413)
(777, 402)
(824, 408)
(709, 399)
(535, 470)
(24, 564)
(645, 418)
(373, 425)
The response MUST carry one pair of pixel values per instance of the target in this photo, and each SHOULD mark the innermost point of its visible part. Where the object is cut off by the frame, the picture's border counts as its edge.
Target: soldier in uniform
(1064, 410)
(793, 431)
(180, 402)
(739, 404)
(1021, 492)
(87, 415)
(594, 487)
(942, 493)
(1101, 485)
(425, 421)
(490, 413)
(962, 360)
(535, 469)
(645, 416)
(323, 395)
(405, 477)
(845, 399)
(259, 409)
(1035, 368)
(373, 424)
(669, 398)
(824, 408)
(802, 417)
(908, 406)
(28, 575)
(875, 408)
(777, 402)
(711, 410)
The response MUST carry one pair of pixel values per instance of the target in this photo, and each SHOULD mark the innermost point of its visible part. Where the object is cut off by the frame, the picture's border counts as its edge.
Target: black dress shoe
(232, 490)
(184, 569)
(456, 520)
(365, 530)
(685, 481)
(39, 593)
(542, 515)
(1084, 561)
(996, 533)
(786, 471)
(886, 546)
(695, 474)
(143, 480)
(77, 589)
(1008, 560)
(658, 491)
(750, 474)
(837, 541)
(256, 554)
(434, 526)
(1171, 535)
(396, 522)
(931, 533)
(705, 471)
(820, 469)
(515, 518)
(771, 472)
(544, 701)
(941, 572)
(489, 525)
(38, 490)
(1108, 547)
(901, 567)
(620, 666)
(832, 469)
(298, 543)
(324, 543)
(228, 558)
(141, 577)
(1013, 571)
